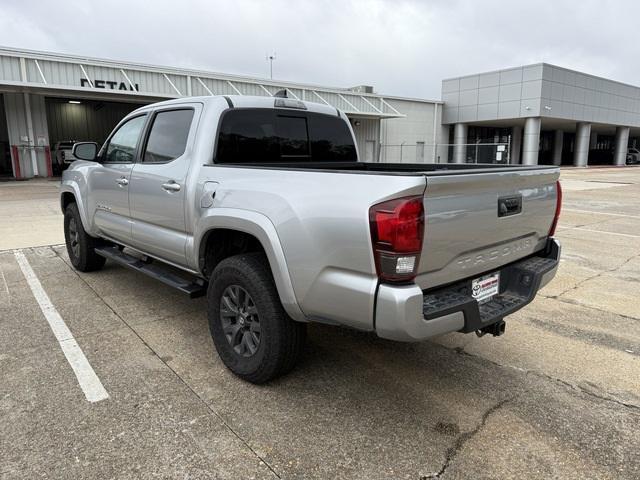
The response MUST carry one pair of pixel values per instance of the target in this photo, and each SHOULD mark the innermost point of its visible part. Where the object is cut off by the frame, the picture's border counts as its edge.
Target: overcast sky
(400, 47)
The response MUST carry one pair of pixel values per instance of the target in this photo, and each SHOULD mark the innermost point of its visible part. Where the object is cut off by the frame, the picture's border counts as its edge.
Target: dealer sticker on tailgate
(483, 288)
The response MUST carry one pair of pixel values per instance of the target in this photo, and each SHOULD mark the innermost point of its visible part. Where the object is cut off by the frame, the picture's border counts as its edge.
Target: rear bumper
(406, 313)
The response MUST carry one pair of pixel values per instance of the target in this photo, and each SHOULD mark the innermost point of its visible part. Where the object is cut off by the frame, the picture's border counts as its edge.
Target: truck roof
(243, 101)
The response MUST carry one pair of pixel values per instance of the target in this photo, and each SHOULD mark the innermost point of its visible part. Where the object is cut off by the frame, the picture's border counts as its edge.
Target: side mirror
(85, 151)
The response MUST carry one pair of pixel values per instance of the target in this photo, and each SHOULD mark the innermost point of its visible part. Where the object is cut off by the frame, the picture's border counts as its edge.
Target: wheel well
(223, 243)
(67, 198)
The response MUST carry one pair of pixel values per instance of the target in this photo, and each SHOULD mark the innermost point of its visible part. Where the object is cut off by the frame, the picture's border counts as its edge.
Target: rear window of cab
(256, 135)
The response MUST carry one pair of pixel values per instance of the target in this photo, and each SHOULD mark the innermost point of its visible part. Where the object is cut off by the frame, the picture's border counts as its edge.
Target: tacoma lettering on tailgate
(494, 254)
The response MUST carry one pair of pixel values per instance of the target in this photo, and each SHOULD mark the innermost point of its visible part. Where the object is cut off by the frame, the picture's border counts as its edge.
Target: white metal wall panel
(417, 126)
(17, 127)
(249, 89)
(9, 69)
(32, 72)
(152, 82)
(367, 130)
(180, 81)
(332, 99)
(16, 120)
(60, 73)
(166, 82)
(296, 91)
(40, 131)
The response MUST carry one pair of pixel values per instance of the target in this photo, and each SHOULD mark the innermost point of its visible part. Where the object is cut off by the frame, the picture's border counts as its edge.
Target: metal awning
(56, 74)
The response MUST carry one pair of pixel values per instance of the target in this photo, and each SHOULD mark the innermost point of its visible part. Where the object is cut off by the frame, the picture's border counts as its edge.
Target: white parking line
(566, 229)
(6, 287)
(87, 378)
(599, 213)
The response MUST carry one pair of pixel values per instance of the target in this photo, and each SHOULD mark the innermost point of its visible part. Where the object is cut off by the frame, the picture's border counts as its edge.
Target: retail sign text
(109, 84)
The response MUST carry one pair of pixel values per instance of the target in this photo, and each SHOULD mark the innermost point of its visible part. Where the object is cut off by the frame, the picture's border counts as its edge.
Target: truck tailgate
(477, 222)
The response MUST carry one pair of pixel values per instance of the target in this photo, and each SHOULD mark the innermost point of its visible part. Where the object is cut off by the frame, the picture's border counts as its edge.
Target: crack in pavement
(577, 227)
(593, 337)
(463, 438)
(571, 301)
(599, 274)
(607, 396)
(161, 359)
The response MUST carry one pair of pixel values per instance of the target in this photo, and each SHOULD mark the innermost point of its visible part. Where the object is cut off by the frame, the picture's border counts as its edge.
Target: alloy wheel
(240, 320)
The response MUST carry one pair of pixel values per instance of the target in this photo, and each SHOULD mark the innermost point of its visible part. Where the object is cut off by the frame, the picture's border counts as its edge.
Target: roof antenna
(281, 93)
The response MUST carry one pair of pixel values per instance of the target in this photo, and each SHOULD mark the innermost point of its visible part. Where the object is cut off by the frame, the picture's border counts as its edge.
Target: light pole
(271, 57)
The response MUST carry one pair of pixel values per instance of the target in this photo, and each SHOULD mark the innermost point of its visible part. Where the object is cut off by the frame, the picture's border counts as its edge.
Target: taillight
(397, 230)
(556, 216)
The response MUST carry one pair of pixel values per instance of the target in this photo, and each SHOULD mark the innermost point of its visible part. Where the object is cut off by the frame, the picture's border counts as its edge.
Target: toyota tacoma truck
(261, 204)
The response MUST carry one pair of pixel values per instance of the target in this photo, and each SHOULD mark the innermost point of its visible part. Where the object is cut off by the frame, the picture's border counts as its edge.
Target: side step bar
(194, 288)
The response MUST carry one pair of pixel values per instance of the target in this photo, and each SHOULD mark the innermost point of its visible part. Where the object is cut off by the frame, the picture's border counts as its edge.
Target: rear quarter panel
(322, 223)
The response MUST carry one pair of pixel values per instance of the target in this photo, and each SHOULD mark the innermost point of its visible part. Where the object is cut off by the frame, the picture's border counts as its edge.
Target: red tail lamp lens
(397, 231)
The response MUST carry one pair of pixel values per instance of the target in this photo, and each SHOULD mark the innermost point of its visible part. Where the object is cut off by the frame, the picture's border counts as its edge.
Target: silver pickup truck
(262, 205)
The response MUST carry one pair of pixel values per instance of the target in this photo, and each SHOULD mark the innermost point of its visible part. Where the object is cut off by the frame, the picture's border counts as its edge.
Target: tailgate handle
(508, 206)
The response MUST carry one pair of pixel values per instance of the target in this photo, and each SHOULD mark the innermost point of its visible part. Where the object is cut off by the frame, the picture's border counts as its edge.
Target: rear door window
(270, 136)
(248, 136)
(168, 136)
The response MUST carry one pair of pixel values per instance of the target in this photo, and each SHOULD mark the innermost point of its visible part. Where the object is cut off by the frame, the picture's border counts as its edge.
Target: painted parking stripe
(6, 287)
(576, 210)
(629, 235)
(87, 378)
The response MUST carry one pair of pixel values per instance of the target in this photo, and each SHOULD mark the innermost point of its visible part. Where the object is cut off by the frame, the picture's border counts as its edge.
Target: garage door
(88, 120)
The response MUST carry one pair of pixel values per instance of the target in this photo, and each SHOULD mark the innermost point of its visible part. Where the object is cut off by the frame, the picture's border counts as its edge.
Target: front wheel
(80, 245)
(254, 336)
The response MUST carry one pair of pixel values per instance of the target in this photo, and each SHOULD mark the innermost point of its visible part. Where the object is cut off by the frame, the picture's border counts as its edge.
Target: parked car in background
(633, 156)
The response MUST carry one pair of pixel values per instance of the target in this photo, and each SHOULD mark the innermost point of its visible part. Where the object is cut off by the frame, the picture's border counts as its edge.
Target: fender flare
(71, 187)
(259, 226)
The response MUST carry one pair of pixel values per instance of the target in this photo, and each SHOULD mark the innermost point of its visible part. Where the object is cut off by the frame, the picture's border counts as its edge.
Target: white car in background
(633, 156)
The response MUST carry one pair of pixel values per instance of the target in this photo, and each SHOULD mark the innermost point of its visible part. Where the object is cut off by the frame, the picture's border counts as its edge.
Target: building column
(32, 137)
(460, 143)
(581, 145)
(558, 143)
(28, 134)
(516, 144)
(622, 145)
(442, 145)
(531, 141)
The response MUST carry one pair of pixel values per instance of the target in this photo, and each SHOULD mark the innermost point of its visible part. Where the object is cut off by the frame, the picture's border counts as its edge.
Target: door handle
(171, 186)
(123, 182)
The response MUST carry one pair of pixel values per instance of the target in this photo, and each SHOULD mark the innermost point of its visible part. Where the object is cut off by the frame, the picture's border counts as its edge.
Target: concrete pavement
(30, 214)
(557, 396)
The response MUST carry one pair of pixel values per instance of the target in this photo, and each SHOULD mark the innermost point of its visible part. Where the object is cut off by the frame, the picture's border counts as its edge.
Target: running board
(194, 288)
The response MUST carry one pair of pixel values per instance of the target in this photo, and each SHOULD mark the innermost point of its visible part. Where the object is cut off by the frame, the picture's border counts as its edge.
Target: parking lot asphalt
(557, 396)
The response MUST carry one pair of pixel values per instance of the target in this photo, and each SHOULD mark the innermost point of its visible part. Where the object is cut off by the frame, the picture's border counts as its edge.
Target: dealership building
(532, 114)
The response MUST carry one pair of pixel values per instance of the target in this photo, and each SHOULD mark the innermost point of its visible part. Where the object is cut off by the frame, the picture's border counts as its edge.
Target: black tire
(280, 340)
(80, 245)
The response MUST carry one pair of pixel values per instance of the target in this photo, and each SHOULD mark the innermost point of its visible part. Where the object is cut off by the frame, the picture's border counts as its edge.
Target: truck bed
(465, 234)
(428, 169)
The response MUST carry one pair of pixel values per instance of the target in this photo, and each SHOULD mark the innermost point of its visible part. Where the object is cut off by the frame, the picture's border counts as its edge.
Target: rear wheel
(80, 245)
(252, 333)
